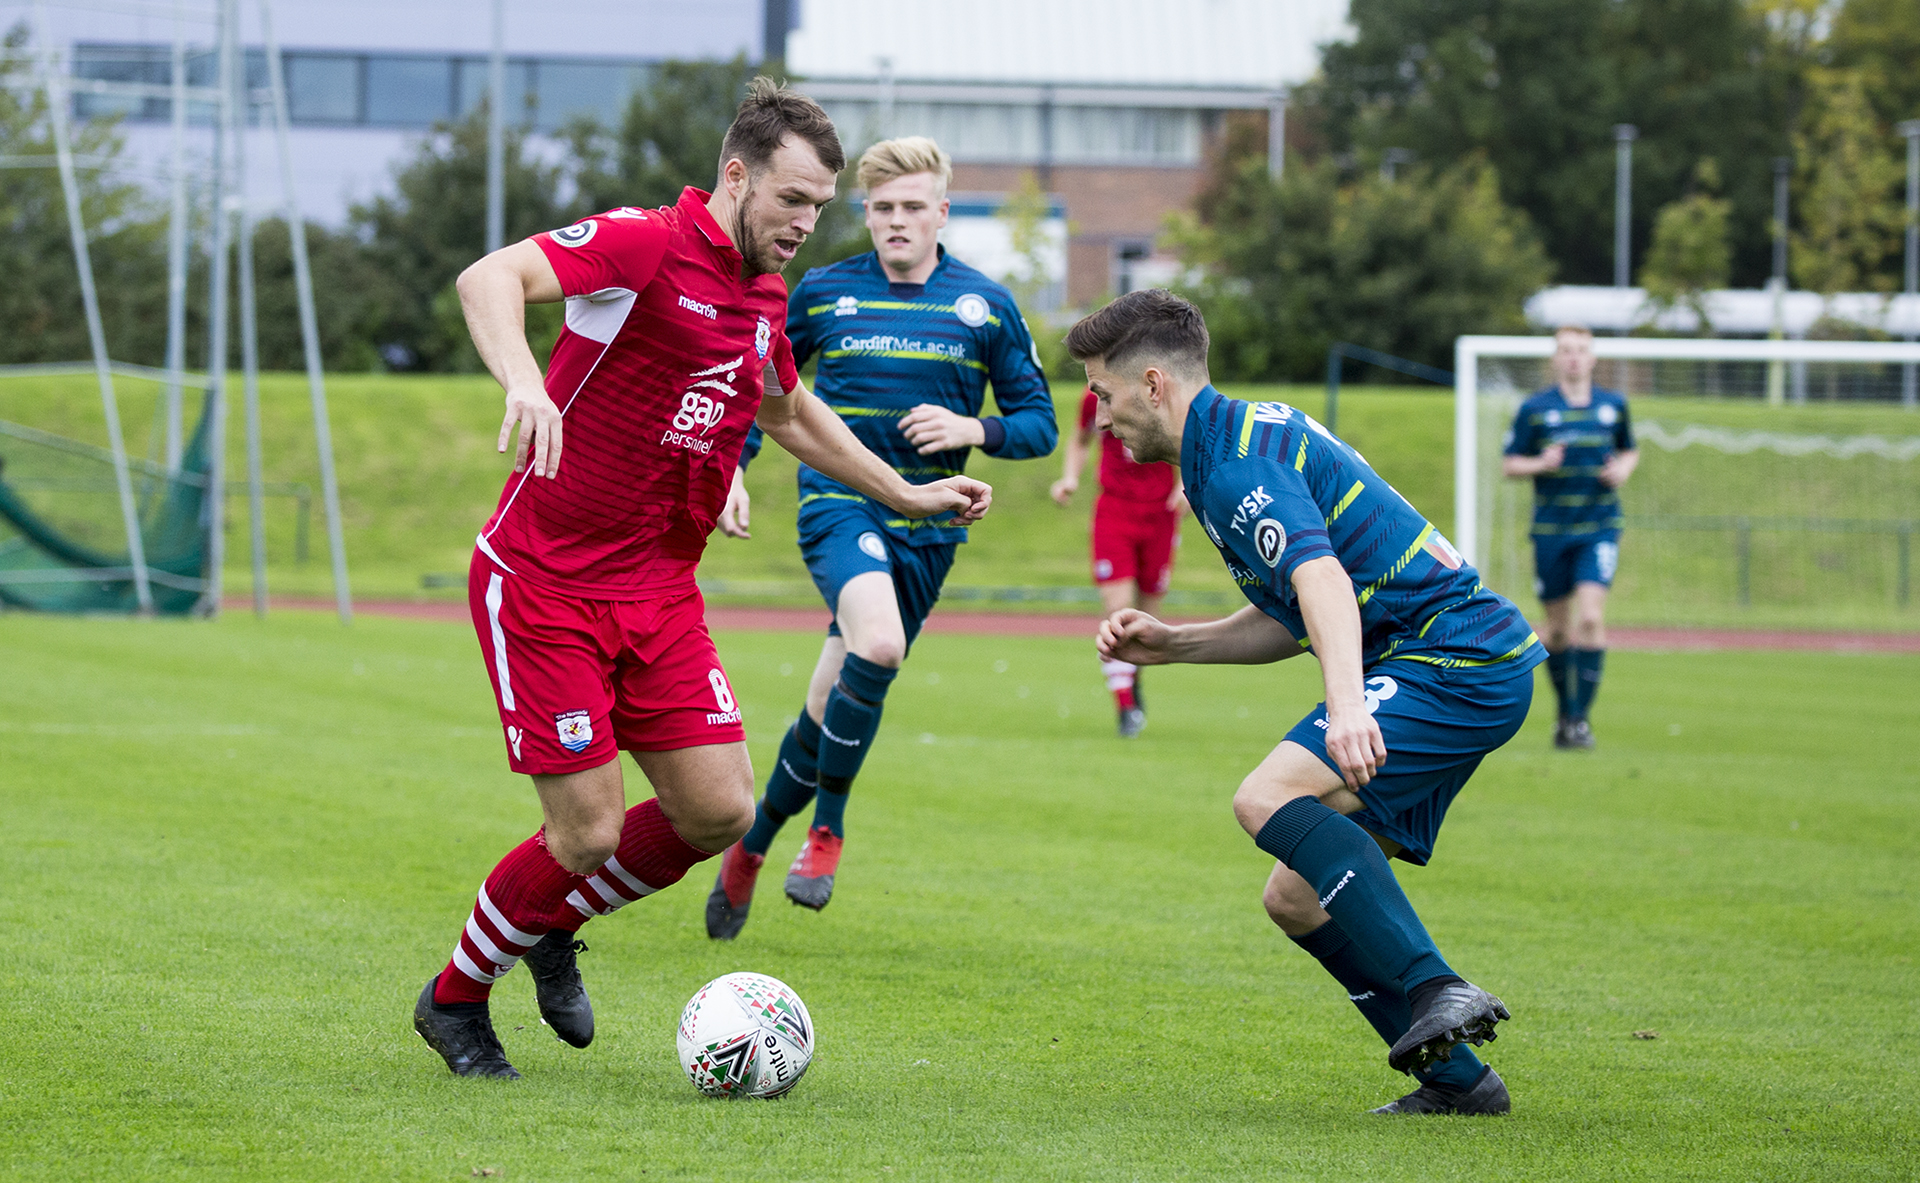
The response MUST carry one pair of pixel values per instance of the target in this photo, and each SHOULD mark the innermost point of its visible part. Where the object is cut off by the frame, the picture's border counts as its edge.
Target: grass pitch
(233, 852)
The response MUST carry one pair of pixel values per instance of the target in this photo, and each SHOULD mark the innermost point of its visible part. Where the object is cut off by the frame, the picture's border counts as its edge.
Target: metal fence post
(1743, 548)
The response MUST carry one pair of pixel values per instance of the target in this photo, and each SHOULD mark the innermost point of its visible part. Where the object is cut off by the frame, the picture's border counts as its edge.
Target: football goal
(1778, 487)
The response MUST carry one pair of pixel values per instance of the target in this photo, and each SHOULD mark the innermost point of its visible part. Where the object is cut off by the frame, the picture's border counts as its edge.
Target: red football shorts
(1134, 540)
(578, 681)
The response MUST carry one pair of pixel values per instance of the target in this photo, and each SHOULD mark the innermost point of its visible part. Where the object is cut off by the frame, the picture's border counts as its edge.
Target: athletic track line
(1033, 624)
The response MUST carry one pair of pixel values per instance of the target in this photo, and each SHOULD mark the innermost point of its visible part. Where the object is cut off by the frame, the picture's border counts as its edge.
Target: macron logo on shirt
(699, 309)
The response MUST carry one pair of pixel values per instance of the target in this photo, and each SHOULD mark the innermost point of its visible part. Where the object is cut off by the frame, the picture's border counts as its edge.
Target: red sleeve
(783, 366)
(1089, 406)
(621, 248)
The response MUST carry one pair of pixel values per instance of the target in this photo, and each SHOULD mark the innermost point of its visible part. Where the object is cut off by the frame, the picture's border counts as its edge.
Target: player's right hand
(539, 423)
(1552, 457)
(734, 515)
(1063, 490)
(967, 499)
(1131, 635)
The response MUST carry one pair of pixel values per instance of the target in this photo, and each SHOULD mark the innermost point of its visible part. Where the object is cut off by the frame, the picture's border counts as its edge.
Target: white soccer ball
(745, 1035)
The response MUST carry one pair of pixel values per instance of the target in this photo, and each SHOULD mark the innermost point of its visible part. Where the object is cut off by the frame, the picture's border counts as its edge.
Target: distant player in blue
(1576, 443)
(1425, 670)
(908, 339)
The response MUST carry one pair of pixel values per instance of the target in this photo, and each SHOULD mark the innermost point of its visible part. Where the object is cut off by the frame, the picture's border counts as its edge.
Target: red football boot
(810, 879)
(732, 892)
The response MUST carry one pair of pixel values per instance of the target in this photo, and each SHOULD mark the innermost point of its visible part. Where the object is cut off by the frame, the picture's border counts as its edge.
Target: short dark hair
(1151, 321)
(767, 116)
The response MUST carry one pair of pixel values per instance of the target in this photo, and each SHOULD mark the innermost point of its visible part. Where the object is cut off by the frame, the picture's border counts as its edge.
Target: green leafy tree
(40, 301)
(433, 224)
(1881, 39)
(1536, 86)
(1403, 267)
(1691, 254)
(1849, 214)
(354, 299)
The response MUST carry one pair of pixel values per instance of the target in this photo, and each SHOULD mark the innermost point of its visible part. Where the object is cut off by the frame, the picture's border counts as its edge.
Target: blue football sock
(1382, 1002)
(1356, 887)
(847, 731)
(1587, 664)
(1557, 674)
(791, 786)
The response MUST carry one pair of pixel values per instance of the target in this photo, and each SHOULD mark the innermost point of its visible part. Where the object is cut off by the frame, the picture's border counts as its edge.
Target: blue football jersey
(885, 348)
(1274, 489)
(1572, 501)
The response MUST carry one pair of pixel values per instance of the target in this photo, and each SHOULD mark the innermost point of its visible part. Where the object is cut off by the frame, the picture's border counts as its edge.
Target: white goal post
(1468, 351)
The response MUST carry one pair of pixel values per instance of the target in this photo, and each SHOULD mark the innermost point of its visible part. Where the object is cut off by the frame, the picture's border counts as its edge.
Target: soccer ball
(745, 1035)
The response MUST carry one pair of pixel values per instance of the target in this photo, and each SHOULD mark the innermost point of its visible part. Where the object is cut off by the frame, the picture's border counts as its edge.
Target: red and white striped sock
(652, 855)
(1120, 681)
(522, 900)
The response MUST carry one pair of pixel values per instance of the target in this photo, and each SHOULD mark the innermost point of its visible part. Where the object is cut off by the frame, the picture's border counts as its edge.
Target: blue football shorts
(1559, 563)
(840, 540)
(1438, 724)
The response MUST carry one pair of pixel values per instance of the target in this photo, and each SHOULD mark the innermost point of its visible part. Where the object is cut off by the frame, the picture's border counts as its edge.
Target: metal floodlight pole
(496, 131)
(217, 324)
(1777, 370)
(90, 300)
(1909, 387)
(886, 97)
(249, 346)
(1623, 136)
(177, 248)
(1276, 135)
(309, 320)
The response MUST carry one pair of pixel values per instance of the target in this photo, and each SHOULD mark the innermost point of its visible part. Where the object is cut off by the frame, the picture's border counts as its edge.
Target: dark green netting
(60, 520)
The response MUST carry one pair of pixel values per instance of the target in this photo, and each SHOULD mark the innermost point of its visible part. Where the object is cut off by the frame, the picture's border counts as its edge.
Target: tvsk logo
(699, 411)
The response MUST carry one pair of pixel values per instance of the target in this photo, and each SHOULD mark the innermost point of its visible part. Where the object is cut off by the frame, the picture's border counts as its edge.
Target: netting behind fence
(1795, 514)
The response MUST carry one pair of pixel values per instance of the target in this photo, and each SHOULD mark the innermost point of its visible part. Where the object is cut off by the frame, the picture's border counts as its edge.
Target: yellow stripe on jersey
(812, 497)
(1400, 565)
(909, 355)
(871, 412)
(1358, 488)
(1246, 429)
(1300, 461)
(1455, 663)
(897, 306)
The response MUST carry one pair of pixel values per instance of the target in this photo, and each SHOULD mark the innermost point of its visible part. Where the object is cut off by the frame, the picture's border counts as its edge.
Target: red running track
(1033, 624)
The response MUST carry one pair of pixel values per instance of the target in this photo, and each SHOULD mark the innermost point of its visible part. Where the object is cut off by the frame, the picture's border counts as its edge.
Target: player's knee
(887, 650)
(585, 849)
(1257, 799)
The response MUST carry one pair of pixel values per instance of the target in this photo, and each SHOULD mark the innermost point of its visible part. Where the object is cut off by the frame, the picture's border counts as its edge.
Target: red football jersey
(1121, 476)
(658, 375)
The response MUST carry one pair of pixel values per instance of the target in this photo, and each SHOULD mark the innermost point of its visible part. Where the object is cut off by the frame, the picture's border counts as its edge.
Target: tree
(1537, 85)
(1881, 39)
(1690, 255)
(1403, 266)
(354, 299)
(1850, 219)
(40, 301)
(423, 234)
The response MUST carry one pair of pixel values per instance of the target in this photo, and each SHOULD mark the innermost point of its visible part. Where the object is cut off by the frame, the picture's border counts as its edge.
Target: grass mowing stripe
(233, 852)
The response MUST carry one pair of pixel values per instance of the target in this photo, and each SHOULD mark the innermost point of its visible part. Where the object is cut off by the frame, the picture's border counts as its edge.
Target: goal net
(1778, 485)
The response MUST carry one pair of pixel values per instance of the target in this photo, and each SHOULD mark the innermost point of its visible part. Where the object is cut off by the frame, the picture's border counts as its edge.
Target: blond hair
(1570, 327)
(889, 160)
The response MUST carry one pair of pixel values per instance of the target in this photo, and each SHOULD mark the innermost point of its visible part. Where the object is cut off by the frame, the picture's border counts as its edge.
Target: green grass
(233, 852)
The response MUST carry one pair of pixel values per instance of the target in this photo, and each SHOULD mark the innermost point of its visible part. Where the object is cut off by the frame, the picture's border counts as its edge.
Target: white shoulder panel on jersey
(598, 316)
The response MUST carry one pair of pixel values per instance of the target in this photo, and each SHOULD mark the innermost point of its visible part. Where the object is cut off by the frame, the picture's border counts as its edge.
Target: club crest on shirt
(1269, 540)
(577, 235)
(1608, 414)
(762, 337)
(971, 309)
(1443, 552)
(575, 729)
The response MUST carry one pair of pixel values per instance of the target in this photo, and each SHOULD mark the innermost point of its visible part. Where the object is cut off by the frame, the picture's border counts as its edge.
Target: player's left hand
(931, 429)
(967, 498)
(1614, 472)
(734, 515)
(1177, 501)
(1355, 743)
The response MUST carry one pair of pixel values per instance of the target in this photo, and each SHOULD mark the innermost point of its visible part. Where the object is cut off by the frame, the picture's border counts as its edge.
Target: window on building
(471, 79)
(323, 88)
(408, 91)
(598, 90)
(1016, 133)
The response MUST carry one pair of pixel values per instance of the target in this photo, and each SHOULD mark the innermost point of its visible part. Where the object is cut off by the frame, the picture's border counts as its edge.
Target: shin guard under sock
(852, 719)
(795, 777)
(651, 856)
(1557, 674)
(1382, 1003)
(1356, 887)
(1587, 666)
(522, 900)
